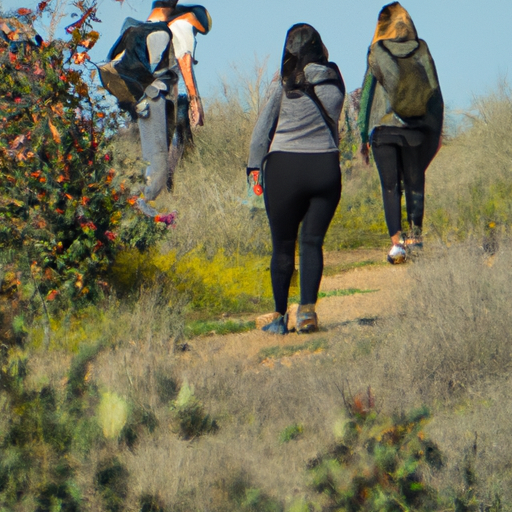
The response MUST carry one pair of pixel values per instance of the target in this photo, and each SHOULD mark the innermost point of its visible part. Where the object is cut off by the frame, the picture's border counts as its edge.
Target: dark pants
(403, 155)
(299, 187)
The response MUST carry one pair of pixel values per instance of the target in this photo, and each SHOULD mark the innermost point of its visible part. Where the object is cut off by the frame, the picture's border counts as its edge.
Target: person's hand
(196, 113)
(365, 153)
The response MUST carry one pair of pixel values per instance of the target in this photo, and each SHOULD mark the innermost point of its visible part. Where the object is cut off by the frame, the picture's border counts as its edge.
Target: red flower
(111, 236)
(89, 225)
(52, 295)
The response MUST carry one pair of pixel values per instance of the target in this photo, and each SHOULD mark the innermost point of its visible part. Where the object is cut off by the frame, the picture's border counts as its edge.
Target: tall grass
(124, 413)
(470, 182)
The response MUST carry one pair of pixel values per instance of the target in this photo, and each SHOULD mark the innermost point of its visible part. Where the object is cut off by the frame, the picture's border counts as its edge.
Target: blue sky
(469, 40)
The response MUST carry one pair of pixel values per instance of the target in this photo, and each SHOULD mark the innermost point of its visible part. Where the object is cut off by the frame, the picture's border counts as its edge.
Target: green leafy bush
(62, 208)
(189, 416)
(379, 463)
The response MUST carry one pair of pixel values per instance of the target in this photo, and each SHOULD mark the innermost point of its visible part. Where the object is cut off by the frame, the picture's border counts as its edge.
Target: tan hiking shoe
(307, 319)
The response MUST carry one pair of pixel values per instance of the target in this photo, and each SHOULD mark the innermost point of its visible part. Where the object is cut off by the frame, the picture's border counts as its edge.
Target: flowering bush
(61, 203)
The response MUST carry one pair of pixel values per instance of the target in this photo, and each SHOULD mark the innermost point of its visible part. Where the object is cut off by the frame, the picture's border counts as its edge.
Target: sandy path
(334, 312)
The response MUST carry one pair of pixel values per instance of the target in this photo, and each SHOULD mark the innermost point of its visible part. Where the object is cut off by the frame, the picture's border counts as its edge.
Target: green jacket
(383, 73)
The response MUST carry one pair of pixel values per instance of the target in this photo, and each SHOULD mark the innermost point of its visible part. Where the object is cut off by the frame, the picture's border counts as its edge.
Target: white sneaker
(397, 254)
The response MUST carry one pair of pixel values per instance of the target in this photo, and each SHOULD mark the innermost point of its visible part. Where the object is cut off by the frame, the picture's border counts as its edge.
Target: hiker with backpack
(401, 118)
(150, 70)
(294, 152)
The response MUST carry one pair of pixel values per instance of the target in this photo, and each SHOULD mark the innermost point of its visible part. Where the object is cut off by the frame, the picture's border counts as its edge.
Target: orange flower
(132, 200)
(80, 57)
(52, 295)
(110, 175)
(55, 132)
(85, 200)
(23, 11)
(69, 196)
(58, 210)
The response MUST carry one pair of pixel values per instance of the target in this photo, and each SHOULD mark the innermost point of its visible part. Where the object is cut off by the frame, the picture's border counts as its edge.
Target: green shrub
(189, 417)
(64, 212)
(290, 433)
(245, 498)
(111, 481)
(378, 463)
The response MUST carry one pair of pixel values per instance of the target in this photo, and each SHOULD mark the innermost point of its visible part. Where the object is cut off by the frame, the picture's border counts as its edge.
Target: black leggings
(299, 187)
(403, 155)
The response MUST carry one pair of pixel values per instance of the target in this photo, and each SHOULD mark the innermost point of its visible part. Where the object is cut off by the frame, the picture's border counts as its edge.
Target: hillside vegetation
(151, 390)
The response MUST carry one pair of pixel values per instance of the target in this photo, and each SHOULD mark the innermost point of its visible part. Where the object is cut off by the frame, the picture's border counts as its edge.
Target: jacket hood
(401, 49)
(394, 23)
(303, 46)
(318, 73)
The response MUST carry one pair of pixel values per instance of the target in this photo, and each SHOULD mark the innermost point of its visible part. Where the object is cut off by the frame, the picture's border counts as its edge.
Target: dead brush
(469, 182)
(454, 330)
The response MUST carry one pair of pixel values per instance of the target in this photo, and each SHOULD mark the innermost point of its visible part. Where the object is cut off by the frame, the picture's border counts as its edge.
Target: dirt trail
(361, 270)
(384, 280)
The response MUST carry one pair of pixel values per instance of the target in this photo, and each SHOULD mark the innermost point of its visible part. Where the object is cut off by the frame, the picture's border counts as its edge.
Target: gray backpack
(407, 74)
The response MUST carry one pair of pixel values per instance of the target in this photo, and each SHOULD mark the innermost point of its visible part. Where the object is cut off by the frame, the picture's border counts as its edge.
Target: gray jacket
(299, 126)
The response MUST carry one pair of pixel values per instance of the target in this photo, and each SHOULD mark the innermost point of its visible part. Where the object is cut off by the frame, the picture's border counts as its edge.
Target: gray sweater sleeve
(267, 120)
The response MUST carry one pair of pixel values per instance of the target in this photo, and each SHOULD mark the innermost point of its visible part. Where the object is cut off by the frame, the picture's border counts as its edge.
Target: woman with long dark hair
(401, 116)
(295, 146)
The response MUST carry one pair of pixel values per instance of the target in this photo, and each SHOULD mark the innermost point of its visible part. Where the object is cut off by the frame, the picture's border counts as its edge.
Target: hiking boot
(266, 319)
(277, 326)
(413, 243)
(397, 254)
(414, 239)
(307, 320)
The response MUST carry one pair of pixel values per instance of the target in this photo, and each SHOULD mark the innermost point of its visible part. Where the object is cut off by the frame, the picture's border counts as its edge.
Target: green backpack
(407, 74)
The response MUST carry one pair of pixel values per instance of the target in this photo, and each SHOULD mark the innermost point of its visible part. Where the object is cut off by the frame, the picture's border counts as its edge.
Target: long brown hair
(303, 46)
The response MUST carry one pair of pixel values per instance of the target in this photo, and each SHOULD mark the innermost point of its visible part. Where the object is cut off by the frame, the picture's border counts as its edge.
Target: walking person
(150, 70)
(401, 117)
(295, 147)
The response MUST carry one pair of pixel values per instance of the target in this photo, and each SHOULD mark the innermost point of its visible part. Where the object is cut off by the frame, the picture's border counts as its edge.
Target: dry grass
(448, 347)
(468, 184)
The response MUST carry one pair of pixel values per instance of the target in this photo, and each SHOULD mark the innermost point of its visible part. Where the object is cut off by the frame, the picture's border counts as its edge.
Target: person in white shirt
(151, 72)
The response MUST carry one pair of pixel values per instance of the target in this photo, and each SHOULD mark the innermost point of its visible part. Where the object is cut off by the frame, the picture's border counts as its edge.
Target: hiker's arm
(184, 42)
(363, 119)
(265, 126)
(196, 106)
